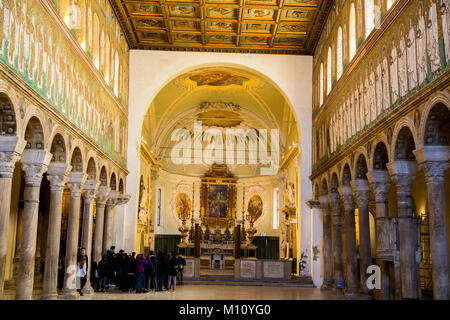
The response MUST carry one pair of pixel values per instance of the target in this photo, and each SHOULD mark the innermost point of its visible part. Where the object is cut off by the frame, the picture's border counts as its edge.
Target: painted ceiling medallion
(218, 78)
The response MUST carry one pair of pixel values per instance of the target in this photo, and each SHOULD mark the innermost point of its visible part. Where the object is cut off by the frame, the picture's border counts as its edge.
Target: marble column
(102, 197)
(327, 245)
(109, 219)
(316, 259)
(380, 184)
(361, 194)
(338, 275)
(351, 263)
(433, 160)
(57, 175)
(34, 164)
(10, 151)
(90, 192)
(403, 174)
(76, 185)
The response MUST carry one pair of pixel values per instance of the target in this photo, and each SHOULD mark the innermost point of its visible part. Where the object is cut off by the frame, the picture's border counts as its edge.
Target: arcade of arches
(328, 170)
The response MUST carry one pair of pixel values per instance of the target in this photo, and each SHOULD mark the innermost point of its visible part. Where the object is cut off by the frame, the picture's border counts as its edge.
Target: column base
(351, 295)
(20, 297)
(366, 296)
(70, 295)
(338, 289)
(50, 296)
(87, 289)
(327, 286)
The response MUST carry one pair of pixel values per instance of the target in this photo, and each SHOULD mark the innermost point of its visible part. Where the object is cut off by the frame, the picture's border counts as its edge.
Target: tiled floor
(213, 292)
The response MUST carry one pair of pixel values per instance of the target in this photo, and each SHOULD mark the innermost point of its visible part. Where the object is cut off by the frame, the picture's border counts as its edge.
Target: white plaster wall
(151, 70)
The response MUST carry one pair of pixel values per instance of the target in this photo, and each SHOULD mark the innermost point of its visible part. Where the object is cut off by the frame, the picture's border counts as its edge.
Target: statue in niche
(372, 95)
(411, 55)
(143, 203)
(367, 119)
(385, 79)
(421, 47)
(445, 17)
(13, 32)
(379, 89)
(402, 72)
(433, 37)
(394, 72)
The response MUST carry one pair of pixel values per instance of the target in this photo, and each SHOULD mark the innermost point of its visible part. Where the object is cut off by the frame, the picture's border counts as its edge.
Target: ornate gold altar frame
(218, 175)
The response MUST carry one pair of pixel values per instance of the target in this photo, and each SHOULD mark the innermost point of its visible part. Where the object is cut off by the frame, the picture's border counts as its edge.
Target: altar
(217, 238)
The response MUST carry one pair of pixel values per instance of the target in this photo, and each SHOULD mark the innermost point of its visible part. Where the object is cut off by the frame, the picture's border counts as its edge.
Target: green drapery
(166, 243)
(267, 247)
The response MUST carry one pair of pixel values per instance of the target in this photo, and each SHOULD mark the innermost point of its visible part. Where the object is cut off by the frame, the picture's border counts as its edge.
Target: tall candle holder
(251, 231)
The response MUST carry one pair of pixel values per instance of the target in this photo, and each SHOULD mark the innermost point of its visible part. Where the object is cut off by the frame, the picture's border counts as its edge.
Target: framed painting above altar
(218, 196)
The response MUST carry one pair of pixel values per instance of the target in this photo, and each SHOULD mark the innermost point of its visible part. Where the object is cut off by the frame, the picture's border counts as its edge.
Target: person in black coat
(162, 270)
(102, 271)
(172, 271)
(181, 264)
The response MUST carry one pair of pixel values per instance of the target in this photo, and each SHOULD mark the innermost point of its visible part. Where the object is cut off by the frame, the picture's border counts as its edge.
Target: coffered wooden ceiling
(248, 26)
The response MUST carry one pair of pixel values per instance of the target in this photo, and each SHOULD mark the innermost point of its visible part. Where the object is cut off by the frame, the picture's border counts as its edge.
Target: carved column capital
(76, 183)
(11, 149)
(57, 175)
(361, 192)
(334, 199)
(34, 164)
(123, 199)
(102, 196)
(112, 199)
(313, 204)
(90, 190)
(7, 163)
(346, 196)
(434, 170)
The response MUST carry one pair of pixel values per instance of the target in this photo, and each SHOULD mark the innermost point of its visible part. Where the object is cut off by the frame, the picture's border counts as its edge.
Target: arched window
(369, 16)
(321, 84)
(107, 59)
(116, 74)
(96, 41)
(340, 66)
(352, 31)
(329, 71)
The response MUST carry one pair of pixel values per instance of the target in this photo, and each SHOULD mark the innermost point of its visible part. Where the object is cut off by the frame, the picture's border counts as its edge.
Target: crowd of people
(129, 273)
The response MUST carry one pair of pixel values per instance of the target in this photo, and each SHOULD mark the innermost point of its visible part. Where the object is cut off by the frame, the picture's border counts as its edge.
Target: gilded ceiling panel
(266, 26)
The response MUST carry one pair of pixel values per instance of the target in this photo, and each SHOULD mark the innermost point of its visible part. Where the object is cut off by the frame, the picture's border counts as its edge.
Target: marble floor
(212, 292)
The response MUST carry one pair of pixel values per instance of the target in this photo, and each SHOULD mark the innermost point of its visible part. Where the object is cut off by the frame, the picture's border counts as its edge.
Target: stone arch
(32, 117)
(403, 130)
(380, 156)
(58, 149)
(103, 177)
(77, 160)
(442, 98)
(437, 130)
(113, 181)
(334, 183)
(324, 187)
(361, 167)
(8, 122)
(7, 91)
(404, 145)
(34, 134)
(78, 144)
(91, 169)
(121, 190)
(346, 175)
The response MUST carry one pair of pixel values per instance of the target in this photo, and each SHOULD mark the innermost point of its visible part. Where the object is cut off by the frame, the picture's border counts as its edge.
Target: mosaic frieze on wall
(97, 30)
(410, 55)
(35, 50)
